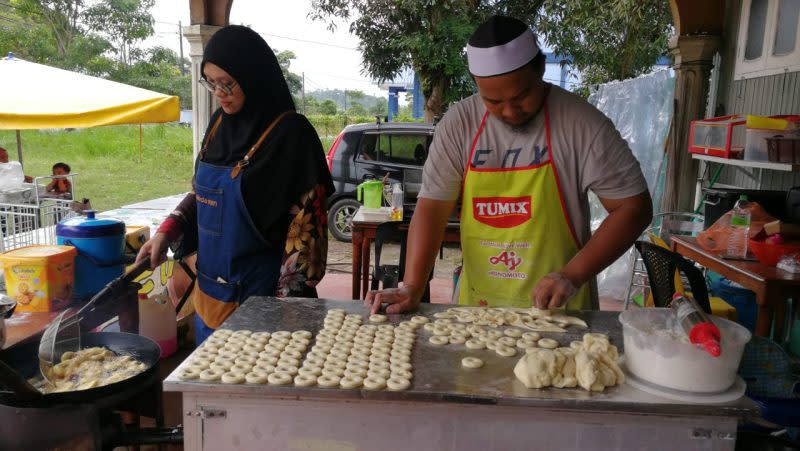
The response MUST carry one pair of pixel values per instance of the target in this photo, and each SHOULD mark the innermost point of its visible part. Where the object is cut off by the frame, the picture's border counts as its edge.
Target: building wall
(764, 96)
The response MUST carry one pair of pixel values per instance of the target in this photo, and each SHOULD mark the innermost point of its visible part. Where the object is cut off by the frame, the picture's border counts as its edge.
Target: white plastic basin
(663, 359)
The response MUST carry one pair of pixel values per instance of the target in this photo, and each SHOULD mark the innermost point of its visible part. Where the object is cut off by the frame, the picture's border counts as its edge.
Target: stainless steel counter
(438, 374)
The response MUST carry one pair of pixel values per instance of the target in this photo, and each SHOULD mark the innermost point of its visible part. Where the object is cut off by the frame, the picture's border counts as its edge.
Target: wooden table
(363, 233)
(771, 285)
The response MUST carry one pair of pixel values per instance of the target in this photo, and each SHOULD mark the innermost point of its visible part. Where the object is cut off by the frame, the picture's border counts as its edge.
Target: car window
(367, 148)
(403, 148)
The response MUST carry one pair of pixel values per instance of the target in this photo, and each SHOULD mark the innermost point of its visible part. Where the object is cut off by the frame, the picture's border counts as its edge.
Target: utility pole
(304, 93)
(345, 101)
(180, 41)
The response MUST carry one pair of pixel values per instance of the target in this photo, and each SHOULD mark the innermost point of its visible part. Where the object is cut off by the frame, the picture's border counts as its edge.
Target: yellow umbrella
(34, 96)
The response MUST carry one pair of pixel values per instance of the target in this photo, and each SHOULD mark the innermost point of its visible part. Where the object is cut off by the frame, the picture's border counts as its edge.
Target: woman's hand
(156, 249)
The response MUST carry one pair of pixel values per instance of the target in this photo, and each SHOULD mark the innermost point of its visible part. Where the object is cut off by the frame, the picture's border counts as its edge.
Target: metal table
(447, 406)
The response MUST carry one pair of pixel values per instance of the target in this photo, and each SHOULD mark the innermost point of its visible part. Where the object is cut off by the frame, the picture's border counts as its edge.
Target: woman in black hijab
(257, 216)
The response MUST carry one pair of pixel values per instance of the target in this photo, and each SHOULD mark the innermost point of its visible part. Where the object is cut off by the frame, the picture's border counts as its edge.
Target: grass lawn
(107, 160)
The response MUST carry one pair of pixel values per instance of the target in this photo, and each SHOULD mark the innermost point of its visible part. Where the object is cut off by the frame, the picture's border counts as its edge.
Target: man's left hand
(553, 291)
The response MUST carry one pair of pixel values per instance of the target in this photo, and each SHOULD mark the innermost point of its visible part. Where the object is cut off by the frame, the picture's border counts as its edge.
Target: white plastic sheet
(641, 109)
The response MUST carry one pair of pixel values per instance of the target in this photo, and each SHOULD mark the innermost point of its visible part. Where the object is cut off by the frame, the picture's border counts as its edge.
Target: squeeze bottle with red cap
(697, 325)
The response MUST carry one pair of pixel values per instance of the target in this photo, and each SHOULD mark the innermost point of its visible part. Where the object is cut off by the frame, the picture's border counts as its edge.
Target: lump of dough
(537, 368)
(566, 377)
(599, 344)
(586, 370)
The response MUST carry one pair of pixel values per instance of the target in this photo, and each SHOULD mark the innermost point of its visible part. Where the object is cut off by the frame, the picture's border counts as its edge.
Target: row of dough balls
(242, 356)
(530, 318)
(351, 355)
(503, 342)
(590, 364)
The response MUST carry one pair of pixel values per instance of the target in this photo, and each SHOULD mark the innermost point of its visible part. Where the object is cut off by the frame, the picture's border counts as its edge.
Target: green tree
(608, 40)
(351, 98)
(124, 23)
(311, 105)
(159, 71)
(61, 17)
(357, 109)
(36, 34)
(381, 107)
(328, 107)
(294, 81)
(427, 35)
(611, 40)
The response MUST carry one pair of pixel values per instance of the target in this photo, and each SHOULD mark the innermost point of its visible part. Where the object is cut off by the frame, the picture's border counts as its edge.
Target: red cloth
(171, 228)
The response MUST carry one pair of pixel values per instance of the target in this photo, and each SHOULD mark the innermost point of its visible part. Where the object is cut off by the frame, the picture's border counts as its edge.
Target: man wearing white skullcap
(521, 156)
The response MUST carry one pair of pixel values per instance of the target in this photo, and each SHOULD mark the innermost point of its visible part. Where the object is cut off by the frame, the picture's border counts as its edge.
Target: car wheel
(340, 218)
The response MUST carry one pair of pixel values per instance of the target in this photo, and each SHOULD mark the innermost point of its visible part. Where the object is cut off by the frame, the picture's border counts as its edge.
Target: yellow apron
(514, 231)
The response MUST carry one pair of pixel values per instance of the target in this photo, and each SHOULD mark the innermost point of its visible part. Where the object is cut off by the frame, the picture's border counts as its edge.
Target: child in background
(60, 185)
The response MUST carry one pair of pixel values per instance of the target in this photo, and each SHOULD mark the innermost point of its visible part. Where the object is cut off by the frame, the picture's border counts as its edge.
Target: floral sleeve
(306, 251)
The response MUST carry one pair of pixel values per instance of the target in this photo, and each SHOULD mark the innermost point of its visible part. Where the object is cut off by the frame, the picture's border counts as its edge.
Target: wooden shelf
(788, 167)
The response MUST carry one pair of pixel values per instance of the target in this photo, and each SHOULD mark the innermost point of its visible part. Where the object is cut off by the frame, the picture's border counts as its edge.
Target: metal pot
(7, 306)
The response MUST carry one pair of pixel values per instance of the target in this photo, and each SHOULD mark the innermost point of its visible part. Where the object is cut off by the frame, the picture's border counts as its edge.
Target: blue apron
(233, 260)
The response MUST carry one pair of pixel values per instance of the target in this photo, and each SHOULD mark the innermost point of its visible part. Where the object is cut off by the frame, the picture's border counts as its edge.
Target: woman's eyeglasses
(227, 89)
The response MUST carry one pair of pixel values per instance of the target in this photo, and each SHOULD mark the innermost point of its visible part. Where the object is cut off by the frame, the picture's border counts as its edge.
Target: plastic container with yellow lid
(40, 278)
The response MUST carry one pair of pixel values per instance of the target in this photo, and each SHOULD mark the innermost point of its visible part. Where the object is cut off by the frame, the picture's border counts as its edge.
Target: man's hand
(400, 300)
(424, 239)
(552, 291)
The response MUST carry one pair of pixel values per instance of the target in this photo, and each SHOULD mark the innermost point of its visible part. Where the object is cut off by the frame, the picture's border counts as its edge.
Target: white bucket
(655, 356)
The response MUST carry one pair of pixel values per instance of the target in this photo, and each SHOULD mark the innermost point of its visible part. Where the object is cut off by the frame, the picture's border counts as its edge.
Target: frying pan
(23, 360)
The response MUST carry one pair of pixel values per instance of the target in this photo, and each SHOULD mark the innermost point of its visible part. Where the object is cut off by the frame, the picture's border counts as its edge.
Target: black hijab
(290, 161)
(243, 54)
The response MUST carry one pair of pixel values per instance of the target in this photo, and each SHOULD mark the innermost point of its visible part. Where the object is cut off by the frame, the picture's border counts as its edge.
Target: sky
(329, 59)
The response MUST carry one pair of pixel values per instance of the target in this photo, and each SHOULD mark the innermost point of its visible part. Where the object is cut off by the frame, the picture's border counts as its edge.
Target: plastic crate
(784, 150)
(719, 136)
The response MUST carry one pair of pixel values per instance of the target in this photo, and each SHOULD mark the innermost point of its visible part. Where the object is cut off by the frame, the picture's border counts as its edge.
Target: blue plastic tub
(101, 248)
(742, 299)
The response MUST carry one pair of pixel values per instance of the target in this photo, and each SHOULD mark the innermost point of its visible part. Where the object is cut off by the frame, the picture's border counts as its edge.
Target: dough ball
(351, 381)
(211, 374)
(547, 343)
(233, 377)
(188, 374)
(256, 377)
(374, 383)
(471, 362)
(305, 380)
(507, 341)
(279, 378)
(531, 336)
(513, 333)
(397, 384)
(506, 351)
(328, 381)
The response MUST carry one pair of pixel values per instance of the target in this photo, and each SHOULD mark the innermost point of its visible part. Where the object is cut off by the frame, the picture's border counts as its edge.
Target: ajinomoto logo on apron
(502, 212)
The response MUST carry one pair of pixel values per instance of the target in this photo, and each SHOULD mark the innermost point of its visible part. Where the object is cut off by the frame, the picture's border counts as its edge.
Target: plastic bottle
(397, 202)
(157, 322)
(740, 229)
(702, 332)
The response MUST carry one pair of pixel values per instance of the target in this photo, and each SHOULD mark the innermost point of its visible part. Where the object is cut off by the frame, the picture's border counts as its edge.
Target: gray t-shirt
(589, 152)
